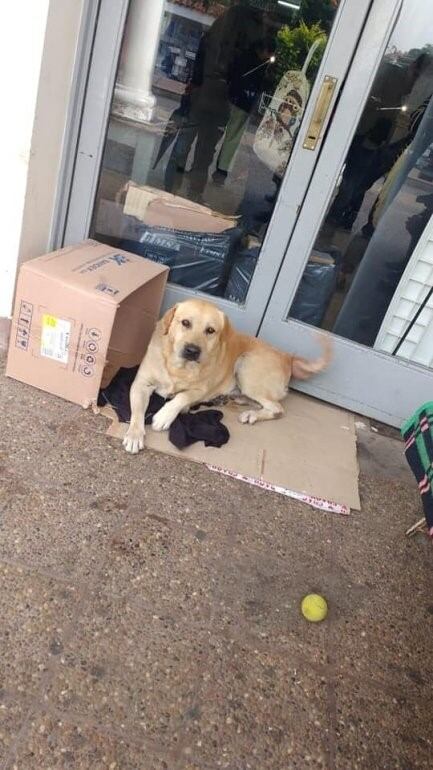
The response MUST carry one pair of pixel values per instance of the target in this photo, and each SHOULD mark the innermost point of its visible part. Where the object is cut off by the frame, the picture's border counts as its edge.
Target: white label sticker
(55, 338)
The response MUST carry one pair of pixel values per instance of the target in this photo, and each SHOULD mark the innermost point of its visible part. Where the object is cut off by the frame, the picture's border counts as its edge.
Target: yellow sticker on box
(49, 320)
(55, 336)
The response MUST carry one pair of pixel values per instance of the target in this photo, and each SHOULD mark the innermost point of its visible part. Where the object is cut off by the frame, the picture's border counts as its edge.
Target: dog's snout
(191, 352)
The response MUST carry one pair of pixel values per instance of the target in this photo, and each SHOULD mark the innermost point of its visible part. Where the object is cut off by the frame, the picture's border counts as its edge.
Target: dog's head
(195, 329)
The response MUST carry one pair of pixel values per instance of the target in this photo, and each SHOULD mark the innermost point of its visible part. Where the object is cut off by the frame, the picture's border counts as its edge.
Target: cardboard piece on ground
(310, 451)
(158, 208)
(80, 314)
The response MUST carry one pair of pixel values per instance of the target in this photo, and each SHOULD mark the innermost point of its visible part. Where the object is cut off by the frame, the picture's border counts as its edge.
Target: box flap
(107, 273)
(158, 208)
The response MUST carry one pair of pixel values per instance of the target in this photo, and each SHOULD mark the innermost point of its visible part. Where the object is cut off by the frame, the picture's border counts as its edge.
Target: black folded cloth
(203, 425)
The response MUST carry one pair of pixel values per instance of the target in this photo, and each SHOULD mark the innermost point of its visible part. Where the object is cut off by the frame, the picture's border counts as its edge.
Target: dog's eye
(210, 330)
(186, 323)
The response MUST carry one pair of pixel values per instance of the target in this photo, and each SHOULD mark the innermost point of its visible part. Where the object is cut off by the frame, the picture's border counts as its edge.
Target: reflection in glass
(208, 99)
(360, 279)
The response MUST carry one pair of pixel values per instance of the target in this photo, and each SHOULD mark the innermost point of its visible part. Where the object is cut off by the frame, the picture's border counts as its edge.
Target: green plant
(292, 48)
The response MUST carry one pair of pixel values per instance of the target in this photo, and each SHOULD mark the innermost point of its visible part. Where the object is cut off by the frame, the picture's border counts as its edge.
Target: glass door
(188, 152)
(360, 261)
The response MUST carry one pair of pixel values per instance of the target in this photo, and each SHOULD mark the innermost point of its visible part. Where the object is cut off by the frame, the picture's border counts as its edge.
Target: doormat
(309, 454)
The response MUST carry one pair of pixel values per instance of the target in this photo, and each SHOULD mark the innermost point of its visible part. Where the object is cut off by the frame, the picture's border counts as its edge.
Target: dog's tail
(303, 369)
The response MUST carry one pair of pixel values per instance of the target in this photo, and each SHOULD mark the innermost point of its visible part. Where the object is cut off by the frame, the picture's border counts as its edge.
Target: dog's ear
(167, 319)
(225, 327)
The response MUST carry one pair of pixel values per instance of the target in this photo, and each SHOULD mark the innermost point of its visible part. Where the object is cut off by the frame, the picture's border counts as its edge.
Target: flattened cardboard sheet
(310, 452)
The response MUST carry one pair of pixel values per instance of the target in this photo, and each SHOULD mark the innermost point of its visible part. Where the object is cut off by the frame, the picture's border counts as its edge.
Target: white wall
(22, 35)
(38, 50)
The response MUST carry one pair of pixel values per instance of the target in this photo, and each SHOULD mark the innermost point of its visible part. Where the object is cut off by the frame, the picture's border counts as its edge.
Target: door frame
(361, 378)
(346, 30)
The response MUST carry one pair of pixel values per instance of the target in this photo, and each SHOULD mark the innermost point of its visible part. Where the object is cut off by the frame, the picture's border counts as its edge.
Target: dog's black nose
(191, 352)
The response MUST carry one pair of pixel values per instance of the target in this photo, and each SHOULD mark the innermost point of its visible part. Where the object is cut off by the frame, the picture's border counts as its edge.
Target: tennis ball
(314, 608)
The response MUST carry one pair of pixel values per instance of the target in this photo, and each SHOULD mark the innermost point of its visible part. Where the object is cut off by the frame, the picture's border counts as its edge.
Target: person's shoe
(196, 196)
(219, 177)
(368, 230)
(263, 217)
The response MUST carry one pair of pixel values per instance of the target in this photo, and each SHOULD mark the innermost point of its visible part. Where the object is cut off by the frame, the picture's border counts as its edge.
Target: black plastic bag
(196, 260)
(241, 274)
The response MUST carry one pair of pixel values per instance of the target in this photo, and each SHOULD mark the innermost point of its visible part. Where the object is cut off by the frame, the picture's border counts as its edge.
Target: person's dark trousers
(359, 175)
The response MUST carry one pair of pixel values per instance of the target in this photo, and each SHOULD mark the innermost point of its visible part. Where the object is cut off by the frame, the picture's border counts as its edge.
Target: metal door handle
(320, 112)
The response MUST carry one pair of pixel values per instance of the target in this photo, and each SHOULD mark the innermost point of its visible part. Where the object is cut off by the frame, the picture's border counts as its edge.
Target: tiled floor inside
(150, 610)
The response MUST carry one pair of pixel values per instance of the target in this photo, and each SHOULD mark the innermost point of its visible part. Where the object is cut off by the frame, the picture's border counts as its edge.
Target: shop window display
(191, 181)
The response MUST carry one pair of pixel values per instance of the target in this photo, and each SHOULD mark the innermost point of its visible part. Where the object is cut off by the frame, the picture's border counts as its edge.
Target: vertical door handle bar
(320, 112)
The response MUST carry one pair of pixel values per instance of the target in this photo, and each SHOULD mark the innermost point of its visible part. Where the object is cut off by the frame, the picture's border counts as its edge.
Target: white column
(133, 97)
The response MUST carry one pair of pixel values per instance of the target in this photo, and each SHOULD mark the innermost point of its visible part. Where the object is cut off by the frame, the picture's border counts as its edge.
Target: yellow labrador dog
(195, 355)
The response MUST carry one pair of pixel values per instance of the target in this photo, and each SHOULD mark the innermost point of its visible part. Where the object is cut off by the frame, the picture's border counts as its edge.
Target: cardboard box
(158, 208)
(81, 313)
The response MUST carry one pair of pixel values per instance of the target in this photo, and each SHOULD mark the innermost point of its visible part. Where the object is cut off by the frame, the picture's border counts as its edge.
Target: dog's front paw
(134, 440)
(163, 419)
(249, 417)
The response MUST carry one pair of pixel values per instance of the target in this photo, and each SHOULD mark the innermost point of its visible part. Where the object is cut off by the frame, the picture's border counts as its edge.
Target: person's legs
(179, 156)
(233, 135)
(209, 133)
(371, 169)
(348, 201)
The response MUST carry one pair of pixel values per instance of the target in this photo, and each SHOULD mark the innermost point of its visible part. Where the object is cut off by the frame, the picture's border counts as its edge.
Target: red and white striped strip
(315, 502)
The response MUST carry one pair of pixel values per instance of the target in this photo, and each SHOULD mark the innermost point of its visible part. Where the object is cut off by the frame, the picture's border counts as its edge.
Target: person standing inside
(245, 83)
(209, 108)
